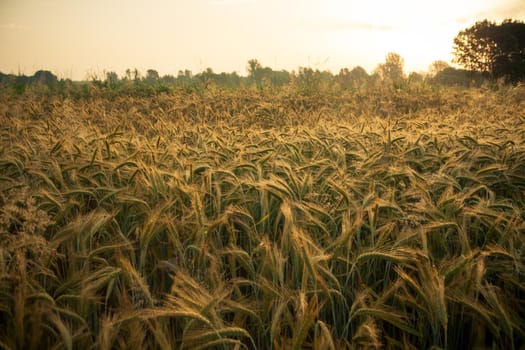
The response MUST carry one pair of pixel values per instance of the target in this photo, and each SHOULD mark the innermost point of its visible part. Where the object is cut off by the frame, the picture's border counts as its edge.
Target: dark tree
(279, 78)
(152, 75)
(459, 77)
(44, 77)
(510, 61)
(492, 49)
(112, 80)
(254, 71)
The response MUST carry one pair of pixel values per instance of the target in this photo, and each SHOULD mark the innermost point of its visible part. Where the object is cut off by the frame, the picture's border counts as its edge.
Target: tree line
(304, 79)
(486, 51)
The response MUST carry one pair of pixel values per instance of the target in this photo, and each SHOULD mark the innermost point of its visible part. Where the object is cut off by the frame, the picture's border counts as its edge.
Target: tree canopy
(497, 50)
(392, 68)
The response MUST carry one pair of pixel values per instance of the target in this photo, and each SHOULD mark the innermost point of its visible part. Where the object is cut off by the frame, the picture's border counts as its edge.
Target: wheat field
(264, 219)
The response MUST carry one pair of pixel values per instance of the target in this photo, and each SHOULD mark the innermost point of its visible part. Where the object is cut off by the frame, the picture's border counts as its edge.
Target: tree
(415, 77)
(392, 69)
(253, 67)
(112, 80)
(475, 47)
(207, 77)
(307, 80)
(358, 74)
(348, 79)
(136, 75)
(436, 67)
(44, 77)
(510, 61)
(128, 74)
(152, 75)
(254, 71)
(458, 77)
(492, 49)
(278, 78)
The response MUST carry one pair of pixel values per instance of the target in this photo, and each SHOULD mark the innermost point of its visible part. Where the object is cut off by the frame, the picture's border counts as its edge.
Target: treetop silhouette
(496, 50)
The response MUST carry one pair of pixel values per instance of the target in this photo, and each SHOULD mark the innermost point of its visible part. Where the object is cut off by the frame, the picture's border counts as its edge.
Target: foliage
(351, 79)
(310, 81)
(265, 76)
(392, 69)
(497, 50)
(460, 77)
(437, 66)
(368, 218)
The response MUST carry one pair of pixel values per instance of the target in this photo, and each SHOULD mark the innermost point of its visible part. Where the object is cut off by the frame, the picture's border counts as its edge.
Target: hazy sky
(74, 38)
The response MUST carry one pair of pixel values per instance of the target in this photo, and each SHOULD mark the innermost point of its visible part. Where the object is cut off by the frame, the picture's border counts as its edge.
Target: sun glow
(405, 13)
(419, 31)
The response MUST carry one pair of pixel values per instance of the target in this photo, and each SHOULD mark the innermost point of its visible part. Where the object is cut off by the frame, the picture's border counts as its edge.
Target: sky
(76, 39)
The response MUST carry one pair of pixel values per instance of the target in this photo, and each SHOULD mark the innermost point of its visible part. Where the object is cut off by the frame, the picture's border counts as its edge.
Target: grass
(364, 219)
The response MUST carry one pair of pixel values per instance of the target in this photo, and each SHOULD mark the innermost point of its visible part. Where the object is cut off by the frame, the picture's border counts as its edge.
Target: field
(363, 219)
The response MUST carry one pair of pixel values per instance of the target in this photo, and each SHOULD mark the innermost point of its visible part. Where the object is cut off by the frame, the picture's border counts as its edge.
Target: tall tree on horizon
(393, 68)
(497, 50)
